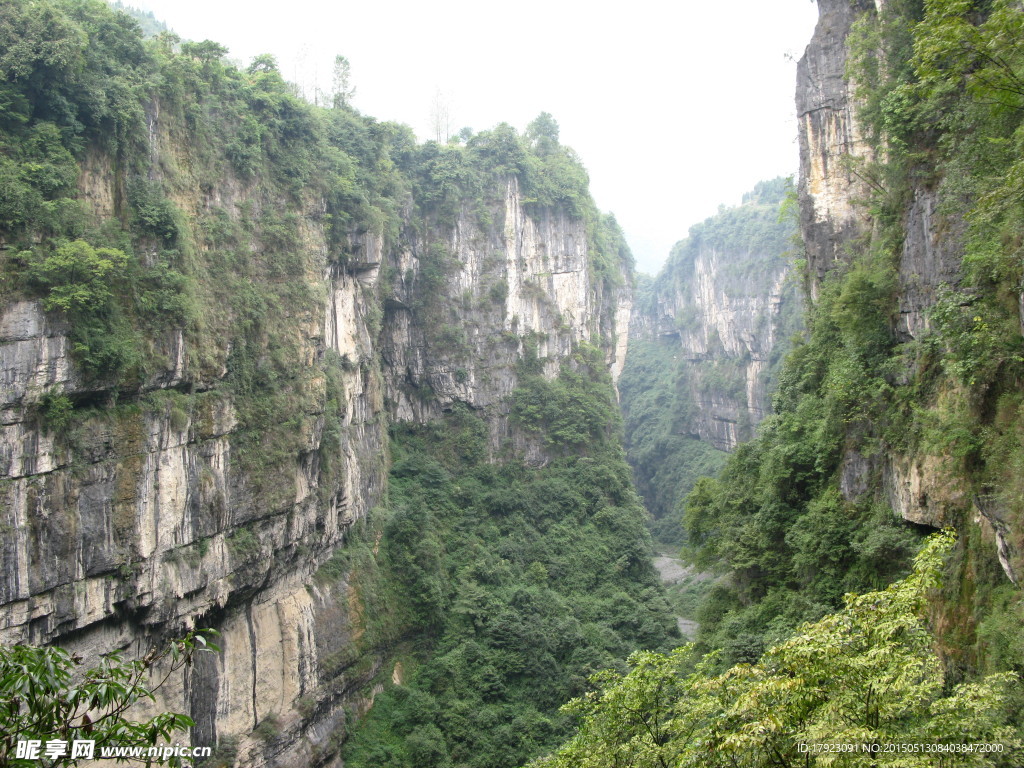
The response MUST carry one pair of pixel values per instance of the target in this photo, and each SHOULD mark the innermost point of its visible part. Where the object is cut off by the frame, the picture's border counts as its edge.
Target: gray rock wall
(149, 520)
(830, 140)
(726, 298)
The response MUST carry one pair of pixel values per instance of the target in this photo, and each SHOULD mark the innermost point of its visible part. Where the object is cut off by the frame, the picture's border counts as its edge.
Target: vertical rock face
(833, 215)
(153, 517)
(831, 144)
(165, 508)
(920, 486)
(833, 190)
(516, 278)
(930, 258)
(727, 338)
(723, 305)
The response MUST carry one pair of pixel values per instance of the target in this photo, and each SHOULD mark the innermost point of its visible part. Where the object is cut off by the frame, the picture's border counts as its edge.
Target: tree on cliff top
(542, 134)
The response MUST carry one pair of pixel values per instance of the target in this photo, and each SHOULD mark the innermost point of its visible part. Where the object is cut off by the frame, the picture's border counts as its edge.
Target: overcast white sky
(674, 107)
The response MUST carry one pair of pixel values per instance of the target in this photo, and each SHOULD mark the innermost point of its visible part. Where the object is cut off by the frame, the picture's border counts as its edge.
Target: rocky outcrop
(516, 279)
(833, 189)
(146, 521)
(930, 258)
(163, 508)
(833, 216)
(832, 148)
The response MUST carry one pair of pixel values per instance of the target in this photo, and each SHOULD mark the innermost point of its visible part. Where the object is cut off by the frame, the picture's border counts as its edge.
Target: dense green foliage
(46, 695)
(73, 78)
(948, 105)
(205, 185)
(940, 105)
(511, 584)
(862, 680)
(107, 297)
(666, 456)
(171, 210)
(775, 517)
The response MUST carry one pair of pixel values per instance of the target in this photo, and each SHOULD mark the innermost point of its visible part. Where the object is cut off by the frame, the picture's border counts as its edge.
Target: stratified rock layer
(162, 510)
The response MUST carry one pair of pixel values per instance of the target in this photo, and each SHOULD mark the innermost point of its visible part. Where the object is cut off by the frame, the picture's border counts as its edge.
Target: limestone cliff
(834, 178)
(723, 297)
(509, 279)
(147, 520)
(208, 480)
(830, 142)
(862, 188)
(705, 337)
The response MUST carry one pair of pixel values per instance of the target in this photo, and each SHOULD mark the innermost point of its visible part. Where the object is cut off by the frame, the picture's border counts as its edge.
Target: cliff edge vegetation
(862, 686)
(901, 408)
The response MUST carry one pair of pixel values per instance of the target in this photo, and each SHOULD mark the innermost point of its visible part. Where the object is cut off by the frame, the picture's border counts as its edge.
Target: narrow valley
(326, 446)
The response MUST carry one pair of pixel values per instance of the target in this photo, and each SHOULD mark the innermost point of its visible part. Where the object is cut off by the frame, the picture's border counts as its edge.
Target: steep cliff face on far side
(462, 305)
(705, 336)
(267, 286)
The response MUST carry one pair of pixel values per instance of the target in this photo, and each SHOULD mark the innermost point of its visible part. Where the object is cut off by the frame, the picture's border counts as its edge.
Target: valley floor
(684, 585)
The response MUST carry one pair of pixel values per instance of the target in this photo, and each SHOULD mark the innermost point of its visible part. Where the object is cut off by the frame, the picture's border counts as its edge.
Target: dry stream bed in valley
(684, 585)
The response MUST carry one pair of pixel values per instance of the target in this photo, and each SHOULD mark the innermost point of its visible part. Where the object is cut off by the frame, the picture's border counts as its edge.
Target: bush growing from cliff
(77, 278)
(106, 296)
(56, 409)
(573, 412)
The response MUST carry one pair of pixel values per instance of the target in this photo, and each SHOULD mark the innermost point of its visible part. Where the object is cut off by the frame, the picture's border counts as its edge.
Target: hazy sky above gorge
(673, 107)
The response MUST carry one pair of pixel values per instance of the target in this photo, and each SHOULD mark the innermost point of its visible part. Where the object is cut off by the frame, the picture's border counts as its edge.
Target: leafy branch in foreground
(865, 678)
(46, 696)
